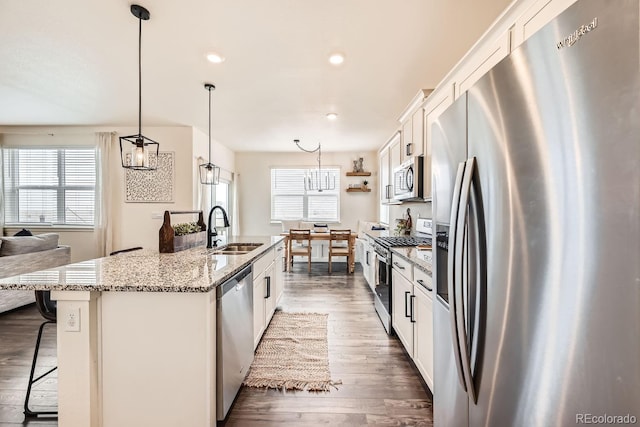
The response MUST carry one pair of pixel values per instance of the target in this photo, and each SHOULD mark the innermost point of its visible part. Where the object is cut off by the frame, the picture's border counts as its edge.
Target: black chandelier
(137, 151)
(209, 173)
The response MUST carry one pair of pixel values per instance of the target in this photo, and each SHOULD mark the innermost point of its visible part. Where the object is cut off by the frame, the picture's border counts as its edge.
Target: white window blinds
(50, 185)
(290, 200)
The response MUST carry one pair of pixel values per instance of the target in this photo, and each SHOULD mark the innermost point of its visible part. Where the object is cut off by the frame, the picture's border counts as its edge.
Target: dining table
(351, 259)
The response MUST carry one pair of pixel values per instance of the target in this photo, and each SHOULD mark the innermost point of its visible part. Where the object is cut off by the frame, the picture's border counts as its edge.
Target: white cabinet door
(401, 311)
(481, 62)
(395, 156)
(434, 107)
(278, 273)
(423, 334)
(270, 294)
(534, 18)
(385, 180)
(407, 140)
(259, 292)
(366, 261)
(417, 133)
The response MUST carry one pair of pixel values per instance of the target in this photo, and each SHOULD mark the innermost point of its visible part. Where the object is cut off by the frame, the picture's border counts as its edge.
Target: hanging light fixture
(209, 173)
(137, 151)
(315, 180)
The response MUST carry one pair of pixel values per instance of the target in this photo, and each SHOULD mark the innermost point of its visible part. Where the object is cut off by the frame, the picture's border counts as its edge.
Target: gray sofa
(13, 265)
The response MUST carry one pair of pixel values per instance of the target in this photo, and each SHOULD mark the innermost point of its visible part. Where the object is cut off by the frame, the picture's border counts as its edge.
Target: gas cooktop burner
(389, 242)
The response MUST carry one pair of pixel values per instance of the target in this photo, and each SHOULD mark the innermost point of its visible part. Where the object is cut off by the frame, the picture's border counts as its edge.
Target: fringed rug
(293, 354)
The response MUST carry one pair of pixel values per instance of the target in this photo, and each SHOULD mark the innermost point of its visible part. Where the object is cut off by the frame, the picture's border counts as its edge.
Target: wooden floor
(379, 384)
(18, 332)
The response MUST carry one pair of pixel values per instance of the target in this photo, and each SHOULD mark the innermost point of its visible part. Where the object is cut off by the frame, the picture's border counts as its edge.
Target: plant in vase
(364, 184)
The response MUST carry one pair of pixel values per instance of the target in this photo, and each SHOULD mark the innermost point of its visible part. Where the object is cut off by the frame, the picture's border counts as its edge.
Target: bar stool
(47, 309)
(300, 245)
(337, 246)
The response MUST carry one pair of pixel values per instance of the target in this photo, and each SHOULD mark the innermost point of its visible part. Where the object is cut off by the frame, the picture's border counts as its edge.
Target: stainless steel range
(382, 247)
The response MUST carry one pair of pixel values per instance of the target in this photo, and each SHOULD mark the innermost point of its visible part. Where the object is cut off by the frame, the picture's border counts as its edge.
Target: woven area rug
(293, 354)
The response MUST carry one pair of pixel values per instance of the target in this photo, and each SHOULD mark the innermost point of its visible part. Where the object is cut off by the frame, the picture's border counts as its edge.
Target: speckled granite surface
(418, 258)
(193, 270)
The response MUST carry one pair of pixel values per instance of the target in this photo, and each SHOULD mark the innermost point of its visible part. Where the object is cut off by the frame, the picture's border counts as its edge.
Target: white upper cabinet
(535, 17)
(481, 61)
(435, 105)
(412, 127)
(395, 156)
(385, 179)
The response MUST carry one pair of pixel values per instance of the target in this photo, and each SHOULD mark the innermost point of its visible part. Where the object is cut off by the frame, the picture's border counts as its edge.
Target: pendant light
(209, 173)
(137, 151)
(314, 181)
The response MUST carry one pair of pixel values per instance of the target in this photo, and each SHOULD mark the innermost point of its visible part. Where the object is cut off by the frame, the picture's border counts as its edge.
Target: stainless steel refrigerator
(537, 209)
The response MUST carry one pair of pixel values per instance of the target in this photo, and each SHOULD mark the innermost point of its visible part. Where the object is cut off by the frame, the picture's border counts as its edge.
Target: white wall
(133, 224)
(255, 187)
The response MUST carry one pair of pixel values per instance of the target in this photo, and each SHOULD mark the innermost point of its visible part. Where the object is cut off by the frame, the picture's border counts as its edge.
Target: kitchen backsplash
(418, 210)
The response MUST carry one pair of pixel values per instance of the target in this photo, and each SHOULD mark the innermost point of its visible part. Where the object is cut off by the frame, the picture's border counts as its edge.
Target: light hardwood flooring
(379, 384)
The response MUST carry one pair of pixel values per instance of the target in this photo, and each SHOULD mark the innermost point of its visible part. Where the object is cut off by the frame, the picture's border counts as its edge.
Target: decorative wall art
(155, 186)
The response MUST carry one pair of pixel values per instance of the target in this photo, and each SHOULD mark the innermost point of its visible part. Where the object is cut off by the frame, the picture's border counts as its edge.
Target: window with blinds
(291, 201)
(50, 185)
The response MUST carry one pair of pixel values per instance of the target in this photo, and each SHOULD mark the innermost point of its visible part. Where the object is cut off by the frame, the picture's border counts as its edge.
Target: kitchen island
(136, 334)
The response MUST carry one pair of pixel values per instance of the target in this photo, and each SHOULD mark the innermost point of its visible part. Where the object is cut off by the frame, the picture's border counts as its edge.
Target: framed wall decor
(154, 186)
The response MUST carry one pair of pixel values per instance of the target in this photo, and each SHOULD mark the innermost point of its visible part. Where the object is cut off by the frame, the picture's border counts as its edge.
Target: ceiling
(74, 62)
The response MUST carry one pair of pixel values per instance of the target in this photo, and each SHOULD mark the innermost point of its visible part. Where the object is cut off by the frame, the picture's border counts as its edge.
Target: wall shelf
(358, 173)
(358, 190)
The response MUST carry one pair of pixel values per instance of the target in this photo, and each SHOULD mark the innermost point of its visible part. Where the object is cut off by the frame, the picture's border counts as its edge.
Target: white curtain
(104, 226)
(1, 193)
(235, 221)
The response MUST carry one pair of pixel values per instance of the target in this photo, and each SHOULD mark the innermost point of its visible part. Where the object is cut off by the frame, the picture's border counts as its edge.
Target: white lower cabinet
(402, 318)
(412, 316)
(423, 334)
(278, 272)
(368, 260)
(266, 278)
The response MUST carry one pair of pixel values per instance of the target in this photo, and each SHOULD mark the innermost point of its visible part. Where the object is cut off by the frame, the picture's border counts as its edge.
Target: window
(290, 200)
(50, 185)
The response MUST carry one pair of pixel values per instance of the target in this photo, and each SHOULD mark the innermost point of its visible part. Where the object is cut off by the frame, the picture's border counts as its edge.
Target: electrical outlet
(72, 321)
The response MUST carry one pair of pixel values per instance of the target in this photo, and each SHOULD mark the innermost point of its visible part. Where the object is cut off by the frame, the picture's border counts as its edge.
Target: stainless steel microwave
(408, 180)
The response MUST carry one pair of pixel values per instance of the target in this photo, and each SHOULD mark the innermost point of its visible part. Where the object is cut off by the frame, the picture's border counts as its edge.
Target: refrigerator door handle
(461, 227)
(451, 274)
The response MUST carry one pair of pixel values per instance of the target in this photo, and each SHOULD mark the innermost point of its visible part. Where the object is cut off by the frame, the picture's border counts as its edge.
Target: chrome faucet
(212, 232)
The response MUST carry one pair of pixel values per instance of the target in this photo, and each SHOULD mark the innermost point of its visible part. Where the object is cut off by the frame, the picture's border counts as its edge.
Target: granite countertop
(418, 258)
(193, 270)
(378, 233)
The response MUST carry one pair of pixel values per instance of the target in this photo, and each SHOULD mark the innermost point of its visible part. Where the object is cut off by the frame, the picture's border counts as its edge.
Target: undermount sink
(236, 248)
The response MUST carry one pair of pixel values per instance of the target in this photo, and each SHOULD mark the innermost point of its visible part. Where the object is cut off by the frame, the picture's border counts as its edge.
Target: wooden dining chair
(300, 245)
(339, 245)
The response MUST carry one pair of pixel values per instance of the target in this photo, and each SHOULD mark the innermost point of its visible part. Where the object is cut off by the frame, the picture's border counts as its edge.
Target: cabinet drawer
(261, 264)
(402, 266)
(423, 280)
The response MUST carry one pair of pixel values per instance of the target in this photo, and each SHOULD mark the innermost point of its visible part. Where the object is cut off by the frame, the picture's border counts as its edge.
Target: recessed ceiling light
(336, 58)
(332, 116)
(215, 57)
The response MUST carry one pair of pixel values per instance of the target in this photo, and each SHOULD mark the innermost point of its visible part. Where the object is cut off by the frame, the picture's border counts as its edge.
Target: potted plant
(364, 184)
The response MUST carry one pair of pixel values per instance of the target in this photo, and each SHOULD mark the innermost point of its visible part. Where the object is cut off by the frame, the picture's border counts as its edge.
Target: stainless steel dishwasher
(234, 337)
